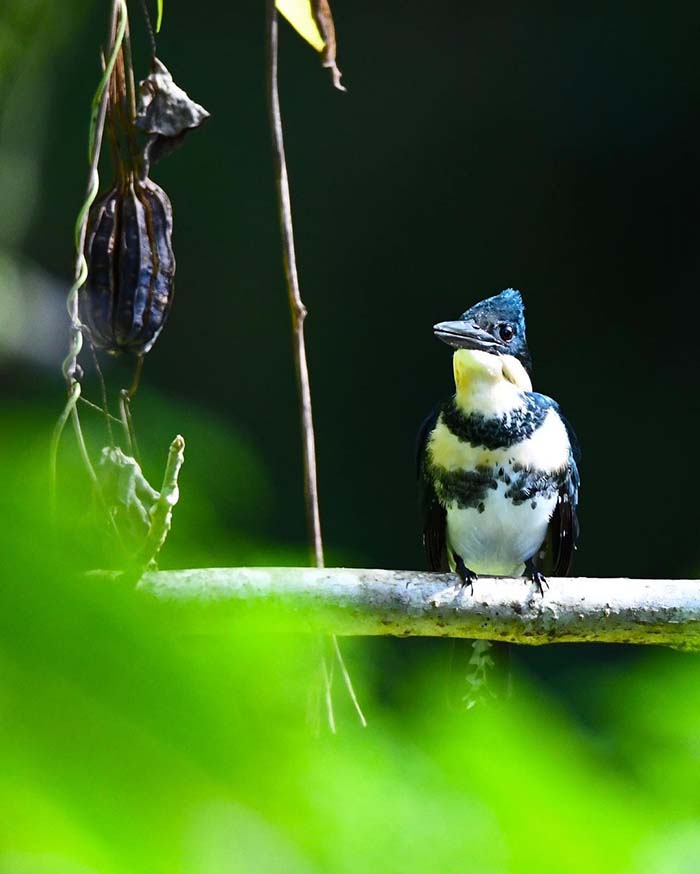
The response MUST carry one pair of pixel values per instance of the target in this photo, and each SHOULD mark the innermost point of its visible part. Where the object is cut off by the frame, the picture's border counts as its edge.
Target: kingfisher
(497, 462)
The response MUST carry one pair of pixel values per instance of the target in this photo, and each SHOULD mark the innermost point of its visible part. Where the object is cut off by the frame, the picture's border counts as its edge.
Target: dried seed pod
(129, 289)
(166, 113)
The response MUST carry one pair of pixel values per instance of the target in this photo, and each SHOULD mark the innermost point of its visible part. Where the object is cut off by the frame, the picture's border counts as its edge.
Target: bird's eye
(507, 333)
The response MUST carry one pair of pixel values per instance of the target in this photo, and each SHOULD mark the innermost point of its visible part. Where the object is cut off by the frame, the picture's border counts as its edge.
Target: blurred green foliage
(127, 748)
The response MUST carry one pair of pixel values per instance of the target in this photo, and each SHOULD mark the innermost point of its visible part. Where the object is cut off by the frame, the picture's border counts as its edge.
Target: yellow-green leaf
(160, 16)
(298, 13)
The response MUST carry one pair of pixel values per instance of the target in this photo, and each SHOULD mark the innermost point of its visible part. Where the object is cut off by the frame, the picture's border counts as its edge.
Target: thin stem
(70, 367)
(298, 310)
(85, 455)
(71, 410)
(348, 682)
(125, 105)
(103, 390)
(136, 379)
(98, 114)
(149, 27)
(298, 313)
(328, 692)
(129, 64)
(73, 395)
(99, 409)
(128, 424)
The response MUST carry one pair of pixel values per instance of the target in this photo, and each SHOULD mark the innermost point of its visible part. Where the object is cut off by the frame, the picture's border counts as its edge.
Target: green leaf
(159, 20)
(299, 14)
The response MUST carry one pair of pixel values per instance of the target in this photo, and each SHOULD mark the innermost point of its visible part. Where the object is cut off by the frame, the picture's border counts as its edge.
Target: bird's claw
(535, 577)
(466, 576)
(539, 580)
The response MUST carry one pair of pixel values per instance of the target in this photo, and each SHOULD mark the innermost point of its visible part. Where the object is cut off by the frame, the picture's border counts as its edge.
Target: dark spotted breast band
(469, 488)
(497, 432)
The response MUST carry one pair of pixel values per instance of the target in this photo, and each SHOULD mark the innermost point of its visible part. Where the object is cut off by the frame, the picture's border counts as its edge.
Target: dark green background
(539, 146)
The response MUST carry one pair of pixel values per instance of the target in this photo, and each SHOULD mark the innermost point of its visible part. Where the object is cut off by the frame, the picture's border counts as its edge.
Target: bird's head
(495, 326)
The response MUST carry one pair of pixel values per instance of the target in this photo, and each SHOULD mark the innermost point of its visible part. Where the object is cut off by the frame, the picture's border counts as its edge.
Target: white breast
(499, 540)
(546, 450)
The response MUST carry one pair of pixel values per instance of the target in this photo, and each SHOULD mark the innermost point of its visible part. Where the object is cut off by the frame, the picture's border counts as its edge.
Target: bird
(497, 462)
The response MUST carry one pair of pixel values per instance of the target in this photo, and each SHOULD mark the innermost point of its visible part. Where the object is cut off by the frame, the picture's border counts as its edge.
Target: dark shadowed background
(537, 146)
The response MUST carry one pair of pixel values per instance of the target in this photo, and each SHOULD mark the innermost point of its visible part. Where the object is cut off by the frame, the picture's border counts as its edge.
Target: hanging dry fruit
(131, 267)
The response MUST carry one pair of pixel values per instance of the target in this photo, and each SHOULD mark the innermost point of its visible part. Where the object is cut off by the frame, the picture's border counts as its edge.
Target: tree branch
(351, 601)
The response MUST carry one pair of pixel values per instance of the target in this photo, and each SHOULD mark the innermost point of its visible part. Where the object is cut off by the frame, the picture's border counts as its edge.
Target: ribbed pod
(131, 266)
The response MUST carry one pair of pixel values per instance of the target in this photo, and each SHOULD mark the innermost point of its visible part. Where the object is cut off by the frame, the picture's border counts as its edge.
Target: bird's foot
(466, 576)
(536, 577)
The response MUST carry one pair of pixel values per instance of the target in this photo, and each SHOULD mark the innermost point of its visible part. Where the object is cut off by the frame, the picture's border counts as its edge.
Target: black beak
(465, 335)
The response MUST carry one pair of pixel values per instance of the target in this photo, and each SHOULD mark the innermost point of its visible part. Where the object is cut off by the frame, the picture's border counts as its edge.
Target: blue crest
(504, 308)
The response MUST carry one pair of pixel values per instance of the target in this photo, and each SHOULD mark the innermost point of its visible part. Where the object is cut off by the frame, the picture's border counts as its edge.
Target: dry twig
(298, 314)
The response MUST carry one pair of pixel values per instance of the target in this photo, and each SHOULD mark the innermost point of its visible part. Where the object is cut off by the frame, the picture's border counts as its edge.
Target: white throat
(488, 384)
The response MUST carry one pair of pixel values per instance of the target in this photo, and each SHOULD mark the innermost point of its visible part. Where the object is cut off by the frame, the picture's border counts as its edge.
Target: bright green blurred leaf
(159, 20)
(125, 746)
(298, 14)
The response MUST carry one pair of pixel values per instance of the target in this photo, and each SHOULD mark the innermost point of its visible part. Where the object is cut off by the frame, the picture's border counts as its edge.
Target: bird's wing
(563, 532)
(432, 511)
